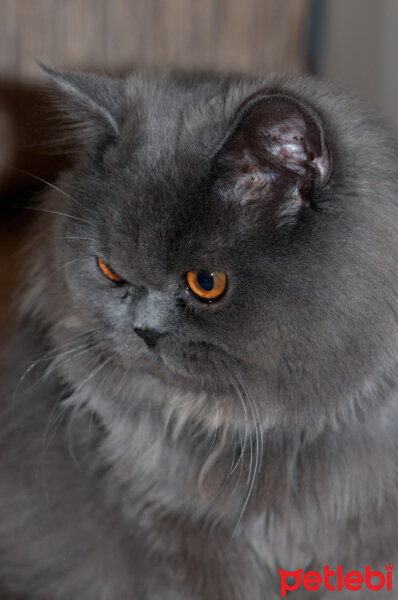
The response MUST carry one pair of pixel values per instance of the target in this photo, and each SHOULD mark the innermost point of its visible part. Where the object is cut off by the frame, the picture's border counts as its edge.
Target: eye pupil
(205, 285)
(205, 280)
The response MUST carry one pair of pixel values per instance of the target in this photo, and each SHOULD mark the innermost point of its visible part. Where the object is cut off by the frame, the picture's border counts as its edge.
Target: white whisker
(49, 184)
(46, 210)
(255, 471)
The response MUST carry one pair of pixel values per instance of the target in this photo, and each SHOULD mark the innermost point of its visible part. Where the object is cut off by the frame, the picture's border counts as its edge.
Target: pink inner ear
(278, 132)
(276, 154)
(286, 142)
(291, 142)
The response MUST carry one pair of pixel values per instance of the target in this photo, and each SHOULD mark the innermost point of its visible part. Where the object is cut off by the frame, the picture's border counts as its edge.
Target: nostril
(150, 336)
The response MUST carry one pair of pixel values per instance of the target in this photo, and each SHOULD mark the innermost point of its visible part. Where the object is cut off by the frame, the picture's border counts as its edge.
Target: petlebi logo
(336, 580)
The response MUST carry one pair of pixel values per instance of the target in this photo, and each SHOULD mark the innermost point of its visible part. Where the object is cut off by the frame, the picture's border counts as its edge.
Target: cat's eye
(108, 272)
(206, 285)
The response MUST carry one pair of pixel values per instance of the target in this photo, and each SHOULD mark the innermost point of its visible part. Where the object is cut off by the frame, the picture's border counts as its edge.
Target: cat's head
(215, 235)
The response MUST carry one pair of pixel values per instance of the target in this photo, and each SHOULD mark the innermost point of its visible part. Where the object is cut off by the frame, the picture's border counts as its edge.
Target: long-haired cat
(203, 387)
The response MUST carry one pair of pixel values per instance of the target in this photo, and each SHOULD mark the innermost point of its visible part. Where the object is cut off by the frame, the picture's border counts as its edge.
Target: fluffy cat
(203, 387)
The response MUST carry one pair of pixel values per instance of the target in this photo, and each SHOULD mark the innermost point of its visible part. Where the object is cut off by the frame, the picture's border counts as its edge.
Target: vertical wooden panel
(216, 34)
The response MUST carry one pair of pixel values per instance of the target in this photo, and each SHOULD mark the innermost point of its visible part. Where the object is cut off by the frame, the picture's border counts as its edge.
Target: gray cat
(202, 394)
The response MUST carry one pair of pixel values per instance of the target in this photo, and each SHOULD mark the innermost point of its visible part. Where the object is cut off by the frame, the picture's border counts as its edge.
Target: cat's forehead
(174, 116)
(170, 134)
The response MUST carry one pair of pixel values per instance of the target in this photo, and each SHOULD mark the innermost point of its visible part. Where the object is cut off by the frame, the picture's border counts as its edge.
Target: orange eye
(107, 271)
(208, 286)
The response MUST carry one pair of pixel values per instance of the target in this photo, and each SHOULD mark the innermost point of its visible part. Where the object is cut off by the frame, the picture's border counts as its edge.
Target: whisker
(43, 357)
(185, 403)
(100, 386)
(57, 365)
(40, 466)
(216, 430)
(254, 471)
(51, 356)
(39, 242)
(63, 410)
(54, 424)
(46, 210)
(65, 264)
(240, 458)
(203, 469)
(258, 420)
(67, 237)
(92, 374)
(49, 184)
(228, 476)
(78, 407)
(247, 432)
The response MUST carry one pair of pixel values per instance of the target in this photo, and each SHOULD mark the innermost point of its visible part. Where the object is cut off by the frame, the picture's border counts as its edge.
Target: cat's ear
(276, 142)
(93, 101)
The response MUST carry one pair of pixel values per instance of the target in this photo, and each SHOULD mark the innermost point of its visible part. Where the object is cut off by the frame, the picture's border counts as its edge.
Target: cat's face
(201, 242)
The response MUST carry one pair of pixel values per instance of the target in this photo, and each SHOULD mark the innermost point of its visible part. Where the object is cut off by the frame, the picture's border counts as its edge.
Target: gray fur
(261, 432)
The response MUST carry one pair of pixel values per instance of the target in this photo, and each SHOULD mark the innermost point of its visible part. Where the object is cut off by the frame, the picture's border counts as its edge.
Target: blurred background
(353, 43)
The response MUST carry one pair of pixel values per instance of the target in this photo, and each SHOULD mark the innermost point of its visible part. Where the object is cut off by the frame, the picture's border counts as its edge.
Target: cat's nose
(150, 336)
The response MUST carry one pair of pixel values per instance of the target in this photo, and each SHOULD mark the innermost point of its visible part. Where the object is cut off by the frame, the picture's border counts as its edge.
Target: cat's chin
(185, 376)
(193, 373)
(199, 363)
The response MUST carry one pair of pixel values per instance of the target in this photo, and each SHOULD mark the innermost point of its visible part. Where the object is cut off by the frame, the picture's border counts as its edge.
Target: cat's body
(156, 446)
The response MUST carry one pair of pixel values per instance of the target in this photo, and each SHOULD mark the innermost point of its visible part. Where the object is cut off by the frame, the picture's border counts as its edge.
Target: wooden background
(221, 35)
(216, 34)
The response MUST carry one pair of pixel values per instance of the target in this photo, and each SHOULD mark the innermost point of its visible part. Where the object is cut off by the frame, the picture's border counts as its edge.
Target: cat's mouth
(204, 362)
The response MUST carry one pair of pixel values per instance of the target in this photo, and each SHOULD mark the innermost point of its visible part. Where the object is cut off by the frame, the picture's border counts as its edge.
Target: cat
(202, 387)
